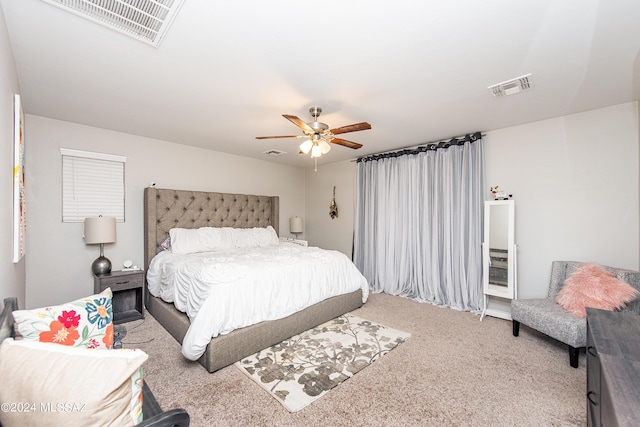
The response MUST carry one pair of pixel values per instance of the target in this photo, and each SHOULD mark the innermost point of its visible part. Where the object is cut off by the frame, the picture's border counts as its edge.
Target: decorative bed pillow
(591, 285)
(207, 239)
(256, 237)
(86, 322)
(166, 244)
(56, 385)
(204, 239)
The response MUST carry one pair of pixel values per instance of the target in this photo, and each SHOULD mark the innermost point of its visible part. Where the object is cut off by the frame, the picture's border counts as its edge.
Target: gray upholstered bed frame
(165, 209)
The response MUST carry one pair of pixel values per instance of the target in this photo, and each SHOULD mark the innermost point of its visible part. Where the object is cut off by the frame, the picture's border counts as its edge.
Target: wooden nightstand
(127, 287)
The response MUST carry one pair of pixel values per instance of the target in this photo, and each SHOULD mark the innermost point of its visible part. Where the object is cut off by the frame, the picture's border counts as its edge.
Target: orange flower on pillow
(59, 334)
(108, 336)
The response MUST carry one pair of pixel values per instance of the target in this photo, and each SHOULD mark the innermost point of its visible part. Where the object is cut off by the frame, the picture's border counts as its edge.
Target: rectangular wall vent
(513, 86)
(144, 20)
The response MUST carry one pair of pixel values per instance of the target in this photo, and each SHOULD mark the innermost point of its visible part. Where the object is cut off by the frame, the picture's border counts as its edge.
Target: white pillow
(56, 385)
(217, 238)
(256, 237)
(185, 241)
(206, 239)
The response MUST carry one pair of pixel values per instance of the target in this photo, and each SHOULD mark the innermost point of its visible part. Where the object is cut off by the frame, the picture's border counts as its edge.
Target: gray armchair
(544, 315)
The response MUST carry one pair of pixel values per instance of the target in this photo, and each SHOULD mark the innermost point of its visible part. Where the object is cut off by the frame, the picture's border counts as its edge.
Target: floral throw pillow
(85, 323)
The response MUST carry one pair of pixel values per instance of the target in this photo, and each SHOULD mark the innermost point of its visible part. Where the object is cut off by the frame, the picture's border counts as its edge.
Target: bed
(165, 209)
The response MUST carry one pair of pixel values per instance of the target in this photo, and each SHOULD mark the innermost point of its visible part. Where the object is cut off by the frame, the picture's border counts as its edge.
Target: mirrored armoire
(499, 267)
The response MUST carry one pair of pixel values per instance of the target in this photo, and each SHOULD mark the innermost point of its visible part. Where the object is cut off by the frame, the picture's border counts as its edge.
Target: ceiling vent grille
(144, 20)
(274, 152)
(513, 86)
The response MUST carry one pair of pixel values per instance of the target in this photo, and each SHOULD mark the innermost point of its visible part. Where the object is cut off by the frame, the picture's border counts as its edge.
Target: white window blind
(92, 185)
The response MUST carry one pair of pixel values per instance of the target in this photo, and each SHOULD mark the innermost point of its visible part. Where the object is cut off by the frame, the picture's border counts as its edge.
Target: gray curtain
(419, 222)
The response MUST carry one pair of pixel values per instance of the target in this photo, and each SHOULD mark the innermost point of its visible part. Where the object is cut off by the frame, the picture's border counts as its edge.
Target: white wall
(574, 181)
(320, 229)
(59, 263)
(13, 275)
(575, 185)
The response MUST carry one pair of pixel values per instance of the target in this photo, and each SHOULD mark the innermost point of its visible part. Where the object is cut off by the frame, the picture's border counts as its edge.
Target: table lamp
(100, 230)
(296, 225)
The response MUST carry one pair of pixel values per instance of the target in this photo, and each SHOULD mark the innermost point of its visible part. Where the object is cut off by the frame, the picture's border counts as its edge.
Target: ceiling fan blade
(278, 136)
(346, 143)
(298, 122)
(351, 128)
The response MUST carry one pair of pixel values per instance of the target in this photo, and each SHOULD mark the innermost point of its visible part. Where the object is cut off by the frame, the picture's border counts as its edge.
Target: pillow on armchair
(86, 322)
(591, 285)
(58, 385)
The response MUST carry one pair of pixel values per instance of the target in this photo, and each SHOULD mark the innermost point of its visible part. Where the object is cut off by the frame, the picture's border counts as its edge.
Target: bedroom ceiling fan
(319, 135)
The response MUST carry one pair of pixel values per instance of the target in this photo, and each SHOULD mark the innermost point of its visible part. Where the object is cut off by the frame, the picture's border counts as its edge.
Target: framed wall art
(19, 205)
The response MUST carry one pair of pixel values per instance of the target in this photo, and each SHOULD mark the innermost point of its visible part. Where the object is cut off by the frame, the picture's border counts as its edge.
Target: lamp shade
(296, 224)
(324, 146)
(99, 230)
(306, 146)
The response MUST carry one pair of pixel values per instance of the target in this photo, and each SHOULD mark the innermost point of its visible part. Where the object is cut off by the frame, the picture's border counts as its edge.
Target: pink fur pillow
(590, 285)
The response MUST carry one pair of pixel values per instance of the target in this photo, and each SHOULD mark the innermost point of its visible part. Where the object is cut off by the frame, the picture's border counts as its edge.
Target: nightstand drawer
(119, 280)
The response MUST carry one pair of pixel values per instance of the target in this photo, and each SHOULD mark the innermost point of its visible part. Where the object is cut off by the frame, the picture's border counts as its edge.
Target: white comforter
(223, 291)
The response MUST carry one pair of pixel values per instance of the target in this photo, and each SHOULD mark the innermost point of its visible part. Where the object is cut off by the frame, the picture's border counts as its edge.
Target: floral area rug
(304, 367)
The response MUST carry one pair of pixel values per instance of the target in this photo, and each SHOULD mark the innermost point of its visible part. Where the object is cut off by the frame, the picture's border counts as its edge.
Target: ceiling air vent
(144, 20)
(274, 152)
(510, 87)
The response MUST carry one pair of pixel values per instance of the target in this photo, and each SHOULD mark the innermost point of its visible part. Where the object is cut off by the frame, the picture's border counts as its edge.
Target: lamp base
(101, 265)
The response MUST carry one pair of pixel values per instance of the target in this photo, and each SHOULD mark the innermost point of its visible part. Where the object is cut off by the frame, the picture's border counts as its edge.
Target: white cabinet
(499, 266)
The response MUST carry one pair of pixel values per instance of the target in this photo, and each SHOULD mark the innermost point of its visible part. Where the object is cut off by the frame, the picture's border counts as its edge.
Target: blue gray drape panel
(419, 222)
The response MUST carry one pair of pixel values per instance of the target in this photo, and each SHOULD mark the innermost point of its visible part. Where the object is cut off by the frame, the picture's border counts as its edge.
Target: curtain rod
(426, 145)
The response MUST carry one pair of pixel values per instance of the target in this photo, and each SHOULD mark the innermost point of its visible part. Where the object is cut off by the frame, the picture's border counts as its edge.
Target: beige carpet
(453, 371)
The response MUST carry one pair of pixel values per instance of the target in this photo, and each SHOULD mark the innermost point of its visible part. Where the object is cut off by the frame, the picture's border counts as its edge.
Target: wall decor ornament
(333, 208)
(19, 206)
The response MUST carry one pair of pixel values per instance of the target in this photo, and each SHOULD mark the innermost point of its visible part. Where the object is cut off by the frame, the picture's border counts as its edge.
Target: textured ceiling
(417, 71)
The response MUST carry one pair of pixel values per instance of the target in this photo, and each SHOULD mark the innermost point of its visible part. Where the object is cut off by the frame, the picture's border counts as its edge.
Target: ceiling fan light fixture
(319, 137)
(324, 146)
(316, 151)
(305, 147)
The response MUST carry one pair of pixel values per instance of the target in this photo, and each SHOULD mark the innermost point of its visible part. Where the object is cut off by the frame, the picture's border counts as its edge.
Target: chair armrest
(173, 418)
(6, 318)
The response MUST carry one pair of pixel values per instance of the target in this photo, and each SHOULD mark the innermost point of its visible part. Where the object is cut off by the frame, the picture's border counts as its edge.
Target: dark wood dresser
(613, 368)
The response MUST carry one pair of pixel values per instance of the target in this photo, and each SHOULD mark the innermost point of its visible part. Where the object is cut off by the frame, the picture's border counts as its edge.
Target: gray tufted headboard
(165, 209)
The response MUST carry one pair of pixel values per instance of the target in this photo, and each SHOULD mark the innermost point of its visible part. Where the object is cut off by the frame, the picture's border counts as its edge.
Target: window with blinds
(92, 185)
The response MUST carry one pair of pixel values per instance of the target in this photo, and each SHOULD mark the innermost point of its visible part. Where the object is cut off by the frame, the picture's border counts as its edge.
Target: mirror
(498, 248)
